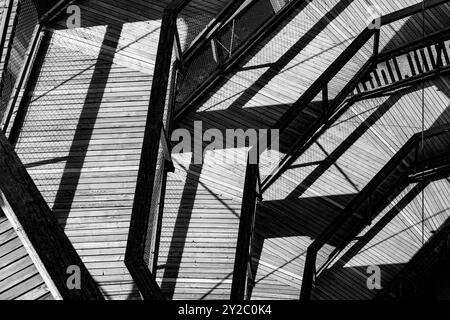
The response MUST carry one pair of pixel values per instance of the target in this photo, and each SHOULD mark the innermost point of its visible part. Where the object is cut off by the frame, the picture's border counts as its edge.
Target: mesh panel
(227, 40)
(157, 186)
(22, 24)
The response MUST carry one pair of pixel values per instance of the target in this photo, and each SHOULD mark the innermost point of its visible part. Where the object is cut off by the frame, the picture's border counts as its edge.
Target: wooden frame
(143, 216)
(242, 261)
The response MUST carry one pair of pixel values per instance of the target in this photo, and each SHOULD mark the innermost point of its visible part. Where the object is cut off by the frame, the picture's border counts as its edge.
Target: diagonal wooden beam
(45, 241)
(55, 10)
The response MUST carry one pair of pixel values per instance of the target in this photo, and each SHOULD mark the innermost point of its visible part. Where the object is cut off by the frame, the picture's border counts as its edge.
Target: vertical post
(325, 112)
(376, 45)
(245, 235)
(308, 273)
(178, 50)
(440, 47)
(143, 216)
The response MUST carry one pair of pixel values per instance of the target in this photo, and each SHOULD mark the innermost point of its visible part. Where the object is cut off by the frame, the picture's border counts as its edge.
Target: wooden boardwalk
(81, 135)
(19, 278)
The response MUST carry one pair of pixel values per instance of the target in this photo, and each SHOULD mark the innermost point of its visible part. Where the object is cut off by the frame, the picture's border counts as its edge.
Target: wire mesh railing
(21, 29)
(223, 46)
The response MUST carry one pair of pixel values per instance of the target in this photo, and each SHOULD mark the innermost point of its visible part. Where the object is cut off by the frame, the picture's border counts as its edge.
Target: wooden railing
(152, 167)
(332, 110)
(242, 272)
(423, 152)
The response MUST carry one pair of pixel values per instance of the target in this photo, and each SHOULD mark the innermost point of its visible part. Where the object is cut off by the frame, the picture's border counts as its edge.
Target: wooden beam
(38, 228)
(245, 235)
(55, 11)
(411, 10)
(143, 214)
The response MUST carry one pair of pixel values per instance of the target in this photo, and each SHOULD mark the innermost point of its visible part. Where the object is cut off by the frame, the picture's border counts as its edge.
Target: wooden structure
(93, 116)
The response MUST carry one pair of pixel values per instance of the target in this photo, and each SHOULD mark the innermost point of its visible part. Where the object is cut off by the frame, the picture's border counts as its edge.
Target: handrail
(243, 259)
(144, 215)
(54, 11)
(434, 251)
(223, 65)
(321, 84)
(213, 27)
(412, 146)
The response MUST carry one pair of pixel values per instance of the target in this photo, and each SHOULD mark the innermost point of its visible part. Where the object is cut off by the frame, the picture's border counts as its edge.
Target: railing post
(376, 45)
(325, 105)
(179, 50)
(245, 235)
(308, 273)
(143, 214)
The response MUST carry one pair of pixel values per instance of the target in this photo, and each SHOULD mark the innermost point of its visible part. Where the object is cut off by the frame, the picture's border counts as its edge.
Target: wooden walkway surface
(82, 131)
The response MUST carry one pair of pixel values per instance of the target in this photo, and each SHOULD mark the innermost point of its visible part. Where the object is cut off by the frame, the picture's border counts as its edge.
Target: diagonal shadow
(180, 231)
(84, 131)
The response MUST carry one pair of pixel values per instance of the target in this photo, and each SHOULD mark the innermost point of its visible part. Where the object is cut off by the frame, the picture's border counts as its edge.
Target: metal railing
(223, 47)
(423, 152)
(334, 106)
(17, 54)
